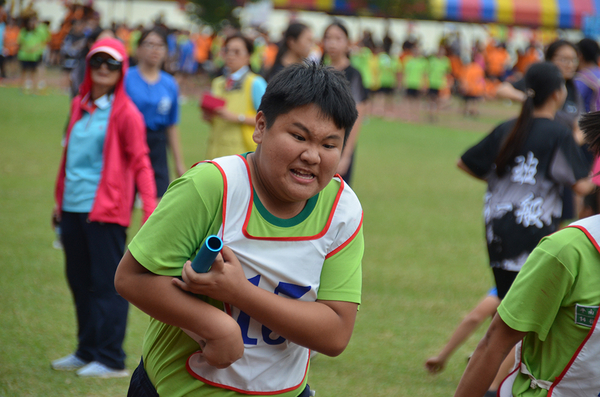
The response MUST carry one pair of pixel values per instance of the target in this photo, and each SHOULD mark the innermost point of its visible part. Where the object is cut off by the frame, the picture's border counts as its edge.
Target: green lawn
(425, 264)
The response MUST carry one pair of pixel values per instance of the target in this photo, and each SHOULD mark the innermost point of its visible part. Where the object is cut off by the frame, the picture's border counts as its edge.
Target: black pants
(92, 252)
(504, 280)
(141, 386)
(157, 143)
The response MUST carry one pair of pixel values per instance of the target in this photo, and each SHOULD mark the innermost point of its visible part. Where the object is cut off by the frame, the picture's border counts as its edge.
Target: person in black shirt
(525, 162)
(336, 46)
(294, 48)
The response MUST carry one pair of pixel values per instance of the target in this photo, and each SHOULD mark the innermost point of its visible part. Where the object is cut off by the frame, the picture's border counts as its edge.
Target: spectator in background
(472, 87)
(587, 79)
(105, 158)
(71, 48)
(414, 81)
(187, 62)
(232, 125)
(389, 67)
(11, 46)
(156, 95)
(336, 44)
(295, 46)
(78, 73)
(438, 72)
(32, 42)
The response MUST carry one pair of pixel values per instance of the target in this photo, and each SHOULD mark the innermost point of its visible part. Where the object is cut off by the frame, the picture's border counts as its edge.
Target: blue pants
(157, 143)
(92, 252)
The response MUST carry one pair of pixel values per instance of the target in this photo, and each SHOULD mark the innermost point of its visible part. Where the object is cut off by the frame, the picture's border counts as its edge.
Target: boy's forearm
(156, 296)
(323, 326)
(489, 355)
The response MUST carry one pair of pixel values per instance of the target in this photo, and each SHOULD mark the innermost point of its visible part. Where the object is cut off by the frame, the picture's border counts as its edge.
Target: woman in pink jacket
(104, 160)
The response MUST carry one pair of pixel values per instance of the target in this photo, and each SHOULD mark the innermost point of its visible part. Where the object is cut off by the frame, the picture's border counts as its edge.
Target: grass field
(425, 264)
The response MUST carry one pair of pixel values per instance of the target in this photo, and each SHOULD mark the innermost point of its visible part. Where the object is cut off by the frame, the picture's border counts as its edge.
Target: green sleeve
(537, 293)
(341, 277)
(190, 210)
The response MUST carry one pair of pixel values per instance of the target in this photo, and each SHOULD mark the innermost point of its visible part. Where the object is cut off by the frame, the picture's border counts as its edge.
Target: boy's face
(296, 157)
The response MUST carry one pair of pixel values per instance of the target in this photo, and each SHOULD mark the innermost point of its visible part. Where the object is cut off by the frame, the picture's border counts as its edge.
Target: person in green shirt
(438, 72)
(289, 228)
(414, 79)
(552, 308)
(388, 69)
(32, 41)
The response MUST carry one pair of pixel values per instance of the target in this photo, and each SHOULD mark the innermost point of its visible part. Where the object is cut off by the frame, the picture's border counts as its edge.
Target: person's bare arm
(485, 362)
(507, 91)
(323, 326)
(159, 298)
(484, 310)
(173, 137)
(583, 187)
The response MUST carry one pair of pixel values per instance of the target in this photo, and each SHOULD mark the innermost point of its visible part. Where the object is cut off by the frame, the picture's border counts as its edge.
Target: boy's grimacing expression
(296, 157)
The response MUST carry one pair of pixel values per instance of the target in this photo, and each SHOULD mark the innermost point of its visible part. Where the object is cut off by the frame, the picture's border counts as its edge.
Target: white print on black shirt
(524, 171)
(530, 211)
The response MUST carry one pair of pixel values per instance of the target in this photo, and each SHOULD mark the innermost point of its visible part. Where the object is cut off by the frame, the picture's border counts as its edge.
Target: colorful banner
(331, 6)
(565, 14)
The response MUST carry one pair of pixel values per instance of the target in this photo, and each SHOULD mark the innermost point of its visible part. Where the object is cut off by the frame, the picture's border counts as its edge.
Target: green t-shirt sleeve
(190, 210)
(341, 277)
(537, 293)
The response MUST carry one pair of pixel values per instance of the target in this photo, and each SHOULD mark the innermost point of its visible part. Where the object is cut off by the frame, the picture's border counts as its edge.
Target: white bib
(288, 266)
(581, 376)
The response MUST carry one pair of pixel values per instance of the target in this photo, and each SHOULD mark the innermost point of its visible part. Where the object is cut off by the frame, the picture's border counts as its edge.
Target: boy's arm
(156, 296)
(323, 326)
(484, 365)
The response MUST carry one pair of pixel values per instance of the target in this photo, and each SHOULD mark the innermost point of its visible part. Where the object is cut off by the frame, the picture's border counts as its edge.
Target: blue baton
(207, 254)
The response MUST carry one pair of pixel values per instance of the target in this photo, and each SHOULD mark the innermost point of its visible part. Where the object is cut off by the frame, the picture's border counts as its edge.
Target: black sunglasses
(96, 62)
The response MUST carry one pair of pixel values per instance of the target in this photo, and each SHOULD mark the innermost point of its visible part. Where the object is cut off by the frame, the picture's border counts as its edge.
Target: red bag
(211, 103)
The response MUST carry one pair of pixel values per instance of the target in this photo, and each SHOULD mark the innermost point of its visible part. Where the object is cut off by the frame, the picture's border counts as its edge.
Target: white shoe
(68, 363)
(99, 370)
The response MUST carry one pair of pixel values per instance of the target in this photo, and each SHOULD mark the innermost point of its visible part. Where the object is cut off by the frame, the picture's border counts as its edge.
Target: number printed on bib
(243, 320)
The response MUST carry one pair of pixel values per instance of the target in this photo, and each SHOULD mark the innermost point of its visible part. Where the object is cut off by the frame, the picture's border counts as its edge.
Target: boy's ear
(261, 127)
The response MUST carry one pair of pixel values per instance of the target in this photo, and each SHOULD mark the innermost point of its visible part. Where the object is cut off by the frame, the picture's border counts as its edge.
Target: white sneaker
(68, 363)
(99, 370)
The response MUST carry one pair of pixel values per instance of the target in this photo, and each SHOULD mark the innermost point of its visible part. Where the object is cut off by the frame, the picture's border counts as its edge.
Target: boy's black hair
(306, 83)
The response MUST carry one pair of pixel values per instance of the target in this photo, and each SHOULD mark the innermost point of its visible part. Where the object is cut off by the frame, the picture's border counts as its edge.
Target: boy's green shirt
(190, 211)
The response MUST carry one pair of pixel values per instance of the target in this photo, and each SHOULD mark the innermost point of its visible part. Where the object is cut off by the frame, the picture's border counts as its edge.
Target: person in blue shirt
(155, 93)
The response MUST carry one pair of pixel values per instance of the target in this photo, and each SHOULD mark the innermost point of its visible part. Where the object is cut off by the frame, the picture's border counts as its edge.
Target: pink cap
(107, 50)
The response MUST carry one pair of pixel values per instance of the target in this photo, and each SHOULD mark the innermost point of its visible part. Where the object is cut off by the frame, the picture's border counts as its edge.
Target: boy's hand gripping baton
(209, 250)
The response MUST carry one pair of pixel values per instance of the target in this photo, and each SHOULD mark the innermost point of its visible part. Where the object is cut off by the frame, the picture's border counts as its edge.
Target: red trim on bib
(341, 247)
(302, 238)
(249, 392)
(589, 236)
(564, 372)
